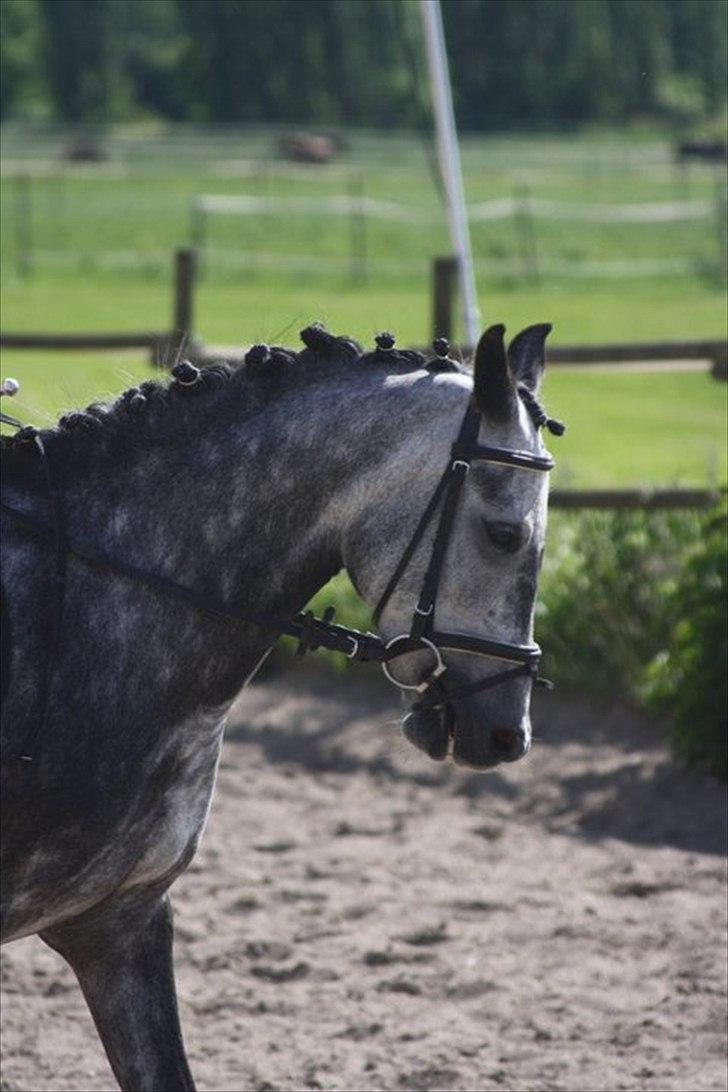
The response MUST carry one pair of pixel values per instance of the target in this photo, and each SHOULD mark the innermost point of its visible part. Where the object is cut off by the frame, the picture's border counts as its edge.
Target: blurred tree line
(350, 62)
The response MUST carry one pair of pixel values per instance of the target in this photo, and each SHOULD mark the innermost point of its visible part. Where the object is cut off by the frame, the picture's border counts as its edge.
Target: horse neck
(253, 508)
(247, 507)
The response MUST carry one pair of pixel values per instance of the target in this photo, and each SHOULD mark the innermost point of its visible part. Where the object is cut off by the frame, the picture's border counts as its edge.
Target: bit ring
(438, 669)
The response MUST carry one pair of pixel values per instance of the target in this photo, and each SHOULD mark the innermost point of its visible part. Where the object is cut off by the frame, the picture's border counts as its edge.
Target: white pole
(449, 156)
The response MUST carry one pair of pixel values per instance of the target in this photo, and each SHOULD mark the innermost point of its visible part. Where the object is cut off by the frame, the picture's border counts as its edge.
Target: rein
(436, 690)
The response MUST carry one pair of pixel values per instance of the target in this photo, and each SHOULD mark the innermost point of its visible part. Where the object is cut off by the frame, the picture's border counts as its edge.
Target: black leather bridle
(311, 633)
(437, 689)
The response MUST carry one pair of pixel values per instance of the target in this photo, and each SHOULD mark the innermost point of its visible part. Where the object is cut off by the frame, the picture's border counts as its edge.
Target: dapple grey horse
(254, 485)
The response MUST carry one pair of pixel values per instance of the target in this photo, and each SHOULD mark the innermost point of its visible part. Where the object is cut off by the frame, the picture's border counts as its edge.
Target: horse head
(485, 580)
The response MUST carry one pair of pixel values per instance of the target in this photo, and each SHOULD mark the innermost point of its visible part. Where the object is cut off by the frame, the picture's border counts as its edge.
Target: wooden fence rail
(133, 340)
(645, 499)
(712, 350)
(163, 345)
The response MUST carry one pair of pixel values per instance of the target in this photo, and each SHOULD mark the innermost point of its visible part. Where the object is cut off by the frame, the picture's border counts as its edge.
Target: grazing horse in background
(252, 486)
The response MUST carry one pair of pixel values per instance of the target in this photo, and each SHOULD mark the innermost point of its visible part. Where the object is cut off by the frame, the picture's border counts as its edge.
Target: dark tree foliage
(18, 53)
(348, 61)
(152, 42)
(78, 56)
(295, 61)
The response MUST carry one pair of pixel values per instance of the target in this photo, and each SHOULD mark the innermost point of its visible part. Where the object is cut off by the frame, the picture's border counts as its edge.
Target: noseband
(311, 633)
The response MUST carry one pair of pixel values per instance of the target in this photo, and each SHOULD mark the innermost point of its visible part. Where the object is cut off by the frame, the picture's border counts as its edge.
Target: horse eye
(509, 537)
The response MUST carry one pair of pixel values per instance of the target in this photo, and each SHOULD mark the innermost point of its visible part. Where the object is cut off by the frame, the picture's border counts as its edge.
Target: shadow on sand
(595, 771)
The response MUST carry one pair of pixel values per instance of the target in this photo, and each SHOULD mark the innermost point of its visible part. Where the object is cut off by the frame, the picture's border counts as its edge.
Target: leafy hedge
(635, 604)
(604, 593)
(688, 678)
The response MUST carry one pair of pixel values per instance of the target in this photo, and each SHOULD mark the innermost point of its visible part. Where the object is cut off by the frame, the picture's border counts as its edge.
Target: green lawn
(237, 312)
(632, 428)
(101, 240)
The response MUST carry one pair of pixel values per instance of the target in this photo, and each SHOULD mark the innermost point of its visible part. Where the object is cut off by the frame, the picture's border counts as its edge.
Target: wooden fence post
(198, 231)
(721, 226)
(444, 281)
(23, 225)
(357, 229)
(719, 363)
(179, 342)
(184, 273)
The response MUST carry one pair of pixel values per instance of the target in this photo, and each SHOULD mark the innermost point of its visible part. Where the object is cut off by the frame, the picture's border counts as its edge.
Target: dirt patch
(360, 918)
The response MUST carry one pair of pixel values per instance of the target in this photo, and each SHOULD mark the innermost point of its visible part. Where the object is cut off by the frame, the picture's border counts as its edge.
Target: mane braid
(267, 371)
(538, 414)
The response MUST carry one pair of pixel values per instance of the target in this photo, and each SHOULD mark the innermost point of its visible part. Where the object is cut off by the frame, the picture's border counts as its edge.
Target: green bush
(607, 580)
(687, 679)
(634, 605)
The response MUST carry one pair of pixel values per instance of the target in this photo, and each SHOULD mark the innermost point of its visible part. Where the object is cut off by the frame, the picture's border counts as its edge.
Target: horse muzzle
(476, 733)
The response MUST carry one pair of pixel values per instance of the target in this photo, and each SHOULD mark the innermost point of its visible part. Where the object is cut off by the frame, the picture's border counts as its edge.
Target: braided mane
(265, 371)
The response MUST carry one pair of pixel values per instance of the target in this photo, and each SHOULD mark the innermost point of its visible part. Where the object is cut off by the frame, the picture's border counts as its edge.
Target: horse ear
(494, 389)
(527, 355)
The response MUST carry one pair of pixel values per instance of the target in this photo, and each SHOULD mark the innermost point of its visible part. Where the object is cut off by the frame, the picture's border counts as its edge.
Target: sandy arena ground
(361, 918)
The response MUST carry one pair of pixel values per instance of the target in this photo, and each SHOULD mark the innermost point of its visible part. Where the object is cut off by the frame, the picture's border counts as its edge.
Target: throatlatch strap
(467, 436)
(412, 545)
(423, 618)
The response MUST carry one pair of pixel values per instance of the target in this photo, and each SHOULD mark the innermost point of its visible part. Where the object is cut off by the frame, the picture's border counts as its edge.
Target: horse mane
(265, 372)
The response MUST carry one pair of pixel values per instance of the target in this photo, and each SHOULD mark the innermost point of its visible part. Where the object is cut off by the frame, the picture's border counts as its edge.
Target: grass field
(99, 240)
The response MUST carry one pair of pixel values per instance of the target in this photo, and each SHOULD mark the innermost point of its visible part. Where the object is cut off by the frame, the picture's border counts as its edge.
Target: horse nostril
(508, 742)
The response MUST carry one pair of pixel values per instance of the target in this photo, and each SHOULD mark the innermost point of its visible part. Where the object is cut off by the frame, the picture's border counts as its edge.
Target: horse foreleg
(121, 953)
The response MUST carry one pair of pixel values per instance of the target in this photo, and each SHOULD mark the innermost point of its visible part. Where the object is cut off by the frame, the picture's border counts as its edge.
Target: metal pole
(449, 156)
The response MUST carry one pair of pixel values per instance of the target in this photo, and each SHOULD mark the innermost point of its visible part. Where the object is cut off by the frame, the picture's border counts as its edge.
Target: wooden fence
(714, 351)
(644, 499)
(163, 346)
